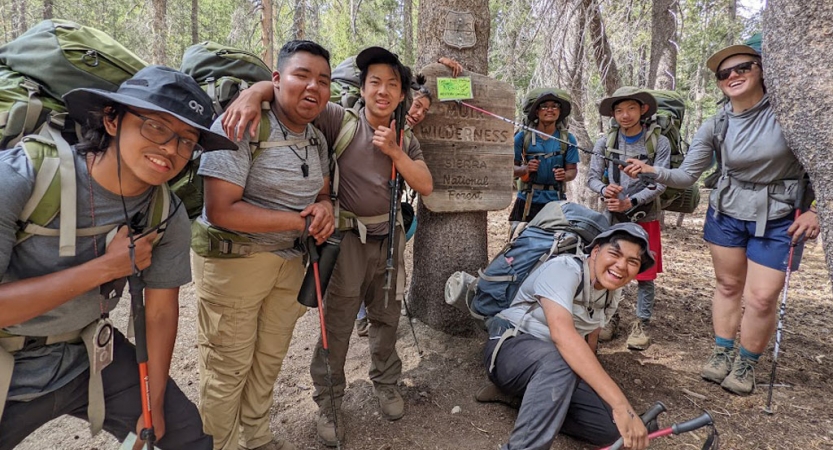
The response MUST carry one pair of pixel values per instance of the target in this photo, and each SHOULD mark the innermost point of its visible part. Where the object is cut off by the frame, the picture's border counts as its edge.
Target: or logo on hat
(193, 104)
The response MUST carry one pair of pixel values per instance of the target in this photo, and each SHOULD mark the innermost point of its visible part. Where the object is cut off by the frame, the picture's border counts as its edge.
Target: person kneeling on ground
(135, 140)
(543, 346)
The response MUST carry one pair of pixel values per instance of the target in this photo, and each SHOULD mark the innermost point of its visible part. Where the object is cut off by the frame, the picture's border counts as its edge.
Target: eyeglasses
(740, 69)
(554, 107)
(158, 133)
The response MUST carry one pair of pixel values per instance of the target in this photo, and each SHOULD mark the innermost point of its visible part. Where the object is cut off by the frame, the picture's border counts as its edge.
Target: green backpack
(49, 60)
(222, 72)
(345, 89)
(666, 122)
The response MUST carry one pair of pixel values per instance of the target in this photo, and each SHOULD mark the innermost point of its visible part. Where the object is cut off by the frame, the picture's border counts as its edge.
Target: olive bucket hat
(538, 96)
(159, 89)
(628, 93)
(635, 231)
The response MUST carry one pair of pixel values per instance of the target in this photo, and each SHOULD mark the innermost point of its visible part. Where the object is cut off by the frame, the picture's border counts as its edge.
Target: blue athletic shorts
(771, 250)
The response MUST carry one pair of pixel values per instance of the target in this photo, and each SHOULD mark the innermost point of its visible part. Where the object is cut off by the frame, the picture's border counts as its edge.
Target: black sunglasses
(739, 69)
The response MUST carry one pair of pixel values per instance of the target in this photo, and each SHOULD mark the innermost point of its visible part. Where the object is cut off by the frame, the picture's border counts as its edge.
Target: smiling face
(615, 263)
(143, 160)
(548, 112)
(382, 91)
(746, 85)
(628, 113)
(302, 88)
(419, 108)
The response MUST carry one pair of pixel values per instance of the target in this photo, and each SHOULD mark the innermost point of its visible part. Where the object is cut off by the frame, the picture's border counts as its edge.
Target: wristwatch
(634, 203)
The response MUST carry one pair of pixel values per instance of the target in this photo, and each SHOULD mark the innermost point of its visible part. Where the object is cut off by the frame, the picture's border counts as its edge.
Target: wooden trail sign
(470, 154)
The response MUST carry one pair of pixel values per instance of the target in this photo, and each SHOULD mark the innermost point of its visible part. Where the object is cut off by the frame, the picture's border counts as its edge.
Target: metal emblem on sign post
(459, 30)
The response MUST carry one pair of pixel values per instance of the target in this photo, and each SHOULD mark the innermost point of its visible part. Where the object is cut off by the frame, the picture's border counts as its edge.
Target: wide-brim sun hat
(562, 98)
(714, 61)
(635, 231)
(628, 93)
(159, 89)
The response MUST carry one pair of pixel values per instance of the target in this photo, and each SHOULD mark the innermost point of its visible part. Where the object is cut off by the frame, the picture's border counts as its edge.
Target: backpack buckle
(31, 86)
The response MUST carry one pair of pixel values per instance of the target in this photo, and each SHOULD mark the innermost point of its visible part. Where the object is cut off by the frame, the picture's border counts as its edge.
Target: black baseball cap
(375, 55)
(159, 89)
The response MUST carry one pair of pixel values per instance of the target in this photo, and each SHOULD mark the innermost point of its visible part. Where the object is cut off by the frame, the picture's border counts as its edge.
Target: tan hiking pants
(247, 312)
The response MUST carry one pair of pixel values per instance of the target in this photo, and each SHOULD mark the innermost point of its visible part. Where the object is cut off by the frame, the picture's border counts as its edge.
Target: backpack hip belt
(760, 197)
(544, 187)
(212, 242)
(10, 344)
(348, 221)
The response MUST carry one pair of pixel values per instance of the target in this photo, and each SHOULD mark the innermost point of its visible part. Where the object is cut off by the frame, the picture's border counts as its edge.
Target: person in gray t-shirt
(751, 223)
(56, 305)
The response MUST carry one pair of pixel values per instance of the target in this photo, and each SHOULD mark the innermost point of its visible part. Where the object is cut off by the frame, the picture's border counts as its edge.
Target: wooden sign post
(470, 155)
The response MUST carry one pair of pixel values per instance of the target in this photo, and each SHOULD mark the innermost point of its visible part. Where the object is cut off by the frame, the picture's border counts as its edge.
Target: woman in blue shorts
(750, 224)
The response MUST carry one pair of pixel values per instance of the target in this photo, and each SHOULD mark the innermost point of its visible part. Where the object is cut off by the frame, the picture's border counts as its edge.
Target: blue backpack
(561, 227)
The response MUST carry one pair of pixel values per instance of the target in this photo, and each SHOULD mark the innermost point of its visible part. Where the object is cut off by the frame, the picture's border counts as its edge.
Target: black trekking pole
(651, 414)
(704, 420)
(394, 184)
(314, 258)
(137, 306)
(648, 179)
(783, 308)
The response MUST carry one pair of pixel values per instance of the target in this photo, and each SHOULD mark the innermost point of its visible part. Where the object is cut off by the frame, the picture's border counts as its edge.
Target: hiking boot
(326, 427)
(275, 445)
(741, 380)
(490, 393)
(390, 402)
(718, 366)
(362, 326)
(638, 338)
(609, 331)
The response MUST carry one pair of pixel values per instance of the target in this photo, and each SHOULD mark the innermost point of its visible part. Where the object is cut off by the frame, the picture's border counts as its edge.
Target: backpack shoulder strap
(347, 131)
(652, 137)
(160, 209)
(528, 137)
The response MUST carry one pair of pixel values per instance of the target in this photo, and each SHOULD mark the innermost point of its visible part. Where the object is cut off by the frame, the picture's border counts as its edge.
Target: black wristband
(634, 202)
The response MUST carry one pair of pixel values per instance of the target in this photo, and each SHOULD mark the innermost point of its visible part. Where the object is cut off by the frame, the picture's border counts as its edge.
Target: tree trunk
(663, 71)
(445, 243)
(602, 53)
(19, 25)
(160, 32)
(267, 35)
(48, 6)
(299, 20)
(408, 30)
(797, 77)
(195, 21)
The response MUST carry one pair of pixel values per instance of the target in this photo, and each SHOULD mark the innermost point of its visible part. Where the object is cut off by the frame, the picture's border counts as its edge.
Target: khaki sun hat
(714, 61)
(628, 93)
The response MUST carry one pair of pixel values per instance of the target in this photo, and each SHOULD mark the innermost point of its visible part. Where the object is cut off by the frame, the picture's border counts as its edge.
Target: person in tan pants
(246, 255)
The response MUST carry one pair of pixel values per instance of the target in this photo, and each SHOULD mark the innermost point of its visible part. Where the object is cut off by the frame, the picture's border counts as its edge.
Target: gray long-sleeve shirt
(761, 171)
(633, 188)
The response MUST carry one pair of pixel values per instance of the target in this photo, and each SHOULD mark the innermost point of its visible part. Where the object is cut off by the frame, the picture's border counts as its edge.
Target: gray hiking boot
(741, 380)
(327, 428)
(638, 338)
(490, 393)
(362, 327)
(719, 365)
(390, 402)
(610, 330)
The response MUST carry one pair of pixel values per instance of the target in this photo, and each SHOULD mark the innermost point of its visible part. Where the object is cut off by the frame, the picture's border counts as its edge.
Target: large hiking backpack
(560, 228)
(667, 122)
(47, 61)
(222, 72)
(345, 88)
(36, 70)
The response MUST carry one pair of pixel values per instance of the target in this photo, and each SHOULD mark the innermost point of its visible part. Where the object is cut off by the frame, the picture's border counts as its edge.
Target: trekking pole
(651, 414)
(137, 307)
(314, 257)
(703, 420)
(648, 179)
(782, 311)
(394, 184)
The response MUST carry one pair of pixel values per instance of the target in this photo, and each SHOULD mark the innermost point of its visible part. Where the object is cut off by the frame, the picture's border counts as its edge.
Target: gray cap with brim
(714, 61)
(635, 231)
(159, 89)
(628, 93)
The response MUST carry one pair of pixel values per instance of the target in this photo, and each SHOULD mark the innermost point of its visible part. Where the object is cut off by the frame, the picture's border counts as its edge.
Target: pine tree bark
(159, 29)
(663, 71)
(195, 21)
(602, 53)
(48, 7)
(408, 30)
(797, 64)
(19, 24)
(299, 19)
(445, 243)
(267, 35)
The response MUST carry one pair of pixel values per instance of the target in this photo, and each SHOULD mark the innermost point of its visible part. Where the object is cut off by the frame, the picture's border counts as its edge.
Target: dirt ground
(449, 372)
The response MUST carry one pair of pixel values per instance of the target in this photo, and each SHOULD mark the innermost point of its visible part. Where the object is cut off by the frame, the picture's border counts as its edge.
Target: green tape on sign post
(454, 88)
